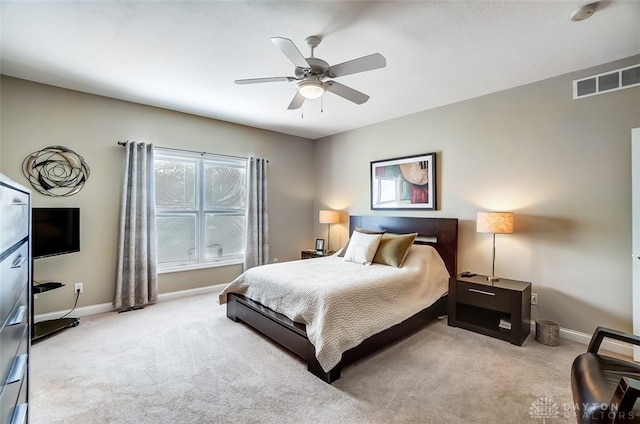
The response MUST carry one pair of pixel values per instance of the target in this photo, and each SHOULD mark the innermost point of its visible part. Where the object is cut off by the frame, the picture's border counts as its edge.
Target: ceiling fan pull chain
(301, 113)
(322, 104)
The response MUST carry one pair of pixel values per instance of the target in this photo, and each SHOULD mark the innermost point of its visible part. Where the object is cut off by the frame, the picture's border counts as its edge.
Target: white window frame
(199, 158)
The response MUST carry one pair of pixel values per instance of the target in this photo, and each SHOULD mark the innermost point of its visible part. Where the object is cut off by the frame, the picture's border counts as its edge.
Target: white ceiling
(185, 55)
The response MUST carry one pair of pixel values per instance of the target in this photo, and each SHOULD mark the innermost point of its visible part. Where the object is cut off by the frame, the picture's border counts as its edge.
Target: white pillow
(362, 248)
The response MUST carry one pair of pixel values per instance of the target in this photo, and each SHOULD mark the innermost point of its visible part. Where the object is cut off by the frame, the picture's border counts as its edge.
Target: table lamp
(329, 217)
(495, 223)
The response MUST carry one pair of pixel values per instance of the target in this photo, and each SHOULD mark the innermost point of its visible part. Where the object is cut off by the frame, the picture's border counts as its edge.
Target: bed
(440, 233)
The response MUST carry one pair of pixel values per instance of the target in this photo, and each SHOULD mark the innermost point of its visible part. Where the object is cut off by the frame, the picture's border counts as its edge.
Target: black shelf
(483, 321)
(45, 287)
(46, 328)
(42, 329)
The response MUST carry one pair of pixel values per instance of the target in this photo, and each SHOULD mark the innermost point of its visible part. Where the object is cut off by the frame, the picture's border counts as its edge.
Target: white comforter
(343, 303)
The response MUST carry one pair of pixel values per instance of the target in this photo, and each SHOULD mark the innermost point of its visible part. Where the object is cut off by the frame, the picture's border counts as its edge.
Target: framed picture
(404, 183)
(320, 245)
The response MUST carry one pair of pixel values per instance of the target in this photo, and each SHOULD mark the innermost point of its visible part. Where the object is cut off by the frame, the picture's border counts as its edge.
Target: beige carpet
(183, 361)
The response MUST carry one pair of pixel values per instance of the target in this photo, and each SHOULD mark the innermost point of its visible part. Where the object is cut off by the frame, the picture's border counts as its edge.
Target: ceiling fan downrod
(313, 41)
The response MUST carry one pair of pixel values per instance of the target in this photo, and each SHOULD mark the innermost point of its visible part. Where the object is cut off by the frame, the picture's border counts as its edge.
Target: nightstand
(308, 254)
(501, 309)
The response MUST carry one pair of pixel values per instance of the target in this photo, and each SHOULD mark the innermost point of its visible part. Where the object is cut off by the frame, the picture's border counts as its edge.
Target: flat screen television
(55, 231)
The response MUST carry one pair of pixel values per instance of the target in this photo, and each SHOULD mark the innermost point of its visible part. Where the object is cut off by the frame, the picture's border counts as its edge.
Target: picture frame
(319, 245)
(407, 182)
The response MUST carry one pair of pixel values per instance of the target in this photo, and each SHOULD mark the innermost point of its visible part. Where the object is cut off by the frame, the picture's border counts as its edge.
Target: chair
(605, 389)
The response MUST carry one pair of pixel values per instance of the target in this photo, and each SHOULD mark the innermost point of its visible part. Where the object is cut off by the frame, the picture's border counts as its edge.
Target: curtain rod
(124, 143)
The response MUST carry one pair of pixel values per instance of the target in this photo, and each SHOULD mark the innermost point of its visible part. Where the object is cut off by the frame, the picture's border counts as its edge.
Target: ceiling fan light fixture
(310, 89)
(584, 12)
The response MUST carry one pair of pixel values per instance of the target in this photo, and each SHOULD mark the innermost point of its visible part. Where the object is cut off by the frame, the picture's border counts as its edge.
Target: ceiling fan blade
(297, 101)
(290, 50)
(259, 80)
(347, 92)
(362, 64)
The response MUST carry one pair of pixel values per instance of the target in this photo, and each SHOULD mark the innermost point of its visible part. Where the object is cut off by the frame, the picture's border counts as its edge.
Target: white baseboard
(614, 346)
(108, 307)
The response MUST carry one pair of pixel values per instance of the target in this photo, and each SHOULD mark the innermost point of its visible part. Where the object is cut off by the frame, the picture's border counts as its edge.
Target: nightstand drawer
(484, 296)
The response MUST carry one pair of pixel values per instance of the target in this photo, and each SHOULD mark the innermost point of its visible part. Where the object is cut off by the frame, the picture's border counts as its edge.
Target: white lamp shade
(329, 217)
(495, 222)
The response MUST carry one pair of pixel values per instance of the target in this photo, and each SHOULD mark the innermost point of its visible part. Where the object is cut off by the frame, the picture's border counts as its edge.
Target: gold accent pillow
(393, 249)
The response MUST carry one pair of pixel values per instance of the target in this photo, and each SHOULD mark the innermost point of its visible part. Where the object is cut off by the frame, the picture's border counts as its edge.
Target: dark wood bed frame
(293, 336)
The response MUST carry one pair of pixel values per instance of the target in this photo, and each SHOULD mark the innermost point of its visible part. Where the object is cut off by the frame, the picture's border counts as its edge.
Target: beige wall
(35, 116)
(563, 166)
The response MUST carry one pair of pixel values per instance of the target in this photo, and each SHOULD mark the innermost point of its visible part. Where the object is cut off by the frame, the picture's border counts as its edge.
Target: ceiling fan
(311, 73)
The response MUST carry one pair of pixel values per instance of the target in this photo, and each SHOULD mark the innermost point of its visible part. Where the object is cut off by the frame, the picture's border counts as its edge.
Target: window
(200, 210)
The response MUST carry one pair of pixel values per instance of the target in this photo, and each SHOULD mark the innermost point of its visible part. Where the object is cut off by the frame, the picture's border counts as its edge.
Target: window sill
(181, 268)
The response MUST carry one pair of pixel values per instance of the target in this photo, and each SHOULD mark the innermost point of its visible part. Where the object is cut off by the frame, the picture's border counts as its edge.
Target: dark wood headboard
(444, 232)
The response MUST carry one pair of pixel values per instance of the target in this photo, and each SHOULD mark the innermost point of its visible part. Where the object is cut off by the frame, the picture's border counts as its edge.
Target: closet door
(635, 233)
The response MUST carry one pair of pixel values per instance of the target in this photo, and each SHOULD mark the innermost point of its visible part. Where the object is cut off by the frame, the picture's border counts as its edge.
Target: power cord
(74, 305)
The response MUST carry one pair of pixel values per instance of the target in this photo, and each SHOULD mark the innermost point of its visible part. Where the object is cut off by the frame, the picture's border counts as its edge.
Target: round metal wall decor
(56, 171)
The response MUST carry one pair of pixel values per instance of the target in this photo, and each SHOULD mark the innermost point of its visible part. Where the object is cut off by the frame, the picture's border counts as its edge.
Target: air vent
(606, 82)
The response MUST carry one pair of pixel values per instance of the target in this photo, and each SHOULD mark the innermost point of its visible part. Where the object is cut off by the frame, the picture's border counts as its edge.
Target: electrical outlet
(534, 299)
(79, 288)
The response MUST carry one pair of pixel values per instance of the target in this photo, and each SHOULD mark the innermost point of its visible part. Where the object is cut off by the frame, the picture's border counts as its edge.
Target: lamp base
(492, 279)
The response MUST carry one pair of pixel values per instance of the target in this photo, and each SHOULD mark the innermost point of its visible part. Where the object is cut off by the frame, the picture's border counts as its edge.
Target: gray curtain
(136, 279)
(257, 245)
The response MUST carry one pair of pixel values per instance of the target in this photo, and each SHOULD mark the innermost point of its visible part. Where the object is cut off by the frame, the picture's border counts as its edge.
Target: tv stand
(46, 328)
